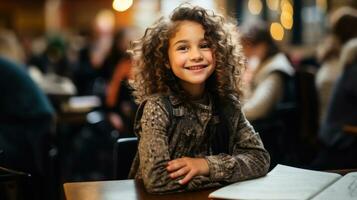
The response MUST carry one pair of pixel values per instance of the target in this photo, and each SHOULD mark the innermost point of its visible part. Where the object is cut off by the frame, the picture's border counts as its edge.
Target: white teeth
(196, 67)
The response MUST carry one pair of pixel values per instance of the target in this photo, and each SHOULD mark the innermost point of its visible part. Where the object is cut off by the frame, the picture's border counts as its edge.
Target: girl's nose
(196, 55)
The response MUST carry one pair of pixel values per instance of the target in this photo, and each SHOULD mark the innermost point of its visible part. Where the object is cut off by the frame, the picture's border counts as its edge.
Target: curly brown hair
(152, 73)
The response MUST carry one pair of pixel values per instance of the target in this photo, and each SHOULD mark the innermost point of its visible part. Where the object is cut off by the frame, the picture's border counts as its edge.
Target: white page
(283, 182)
(113, 190)
(345, 188)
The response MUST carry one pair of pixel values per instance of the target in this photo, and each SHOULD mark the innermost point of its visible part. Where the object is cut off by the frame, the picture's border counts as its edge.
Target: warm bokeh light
(273, 4)
(122, 5)
(286, 6)
(286, 19)
(276, 31)
(255, 6)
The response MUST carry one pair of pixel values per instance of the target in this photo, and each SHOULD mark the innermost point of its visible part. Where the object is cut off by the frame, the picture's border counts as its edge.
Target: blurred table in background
(74, 109)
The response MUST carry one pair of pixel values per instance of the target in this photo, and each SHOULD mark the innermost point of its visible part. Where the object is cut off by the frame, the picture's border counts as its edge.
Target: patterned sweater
(188, 132)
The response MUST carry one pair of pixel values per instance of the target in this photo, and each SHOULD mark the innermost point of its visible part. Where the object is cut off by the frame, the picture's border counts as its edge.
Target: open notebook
(284, 182)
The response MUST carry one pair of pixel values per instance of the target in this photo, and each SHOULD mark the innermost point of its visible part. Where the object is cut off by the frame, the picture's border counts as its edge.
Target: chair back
(307, 115)
(307, 101)
(124, 153)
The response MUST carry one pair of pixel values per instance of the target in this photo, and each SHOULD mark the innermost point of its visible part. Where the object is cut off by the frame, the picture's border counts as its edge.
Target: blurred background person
(52, 71)
(84, 74)
(10, 47)
(268, 68)
(119, 100)
(342, 23)
(340, 142)
(26, 118)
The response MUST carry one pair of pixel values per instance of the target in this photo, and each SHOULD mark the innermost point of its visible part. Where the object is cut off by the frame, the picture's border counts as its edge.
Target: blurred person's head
(257, 41)
(121, 41)
(10, 46)
(56, 48)
(344, 23)
(119, 45)
(328, 49)
(56, 56)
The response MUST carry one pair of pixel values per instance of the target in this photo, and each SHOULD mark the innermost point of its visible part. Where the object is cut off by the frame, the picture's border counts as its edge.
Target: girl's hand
(188, 167)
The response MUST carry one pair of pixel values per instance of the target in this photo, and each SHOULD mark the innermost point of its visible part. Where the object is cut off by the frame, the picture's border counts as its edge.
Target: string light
(255, 6)
(286, 6)
(286, 19)
(273, 4)
(277, 31)
(122, 5)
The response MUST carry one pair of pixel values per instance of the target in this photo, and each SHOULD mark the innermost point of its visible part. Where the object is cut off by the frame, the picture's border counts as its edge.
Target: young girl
(192, 132)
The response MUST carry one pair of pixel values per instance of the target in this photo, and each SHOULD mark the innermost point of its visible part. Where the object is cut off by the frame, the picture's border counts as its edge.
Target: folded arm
(248, 159)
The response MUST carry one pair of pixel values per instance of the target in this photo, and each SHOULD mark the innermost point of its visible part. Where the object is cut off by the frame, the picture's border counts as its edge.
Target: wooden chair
(124, 153)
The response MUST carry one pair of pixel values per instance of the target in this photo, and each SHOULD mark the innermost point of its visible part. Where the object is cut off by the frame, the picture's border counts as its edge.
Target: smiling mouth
(196, 67)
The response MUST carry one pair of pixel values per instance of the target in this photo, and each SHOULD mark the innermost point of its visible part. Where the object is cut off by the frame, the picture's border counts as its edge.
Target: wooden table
(126, 190)
(134, 190)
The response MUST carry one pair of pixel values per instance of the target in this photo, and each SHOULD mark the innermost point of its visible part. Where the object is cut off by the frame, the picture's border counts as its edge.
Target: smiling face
(191, 57)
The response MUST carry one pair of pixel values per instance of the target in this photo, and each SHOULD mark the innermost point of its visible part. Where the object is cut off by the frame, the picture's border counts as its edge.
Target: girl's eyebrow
(186, 41)
(181, 41)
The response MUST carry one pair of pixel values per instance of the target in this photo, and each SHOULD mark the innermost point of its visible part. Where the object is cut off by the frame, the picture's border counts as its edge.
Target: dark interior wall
(28, 17)
(22, 16)
(80, 14)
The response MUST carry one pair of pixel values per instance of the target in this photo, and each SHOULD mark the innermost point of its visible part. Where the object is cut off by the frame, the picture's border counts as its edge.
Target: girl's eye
(205, 46)
(182, 48)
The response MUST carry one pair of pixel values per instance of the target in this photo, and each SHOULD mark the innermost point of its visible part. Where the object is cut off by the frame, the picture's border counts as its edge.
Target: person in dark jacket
(26, 121)
(340, 146)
